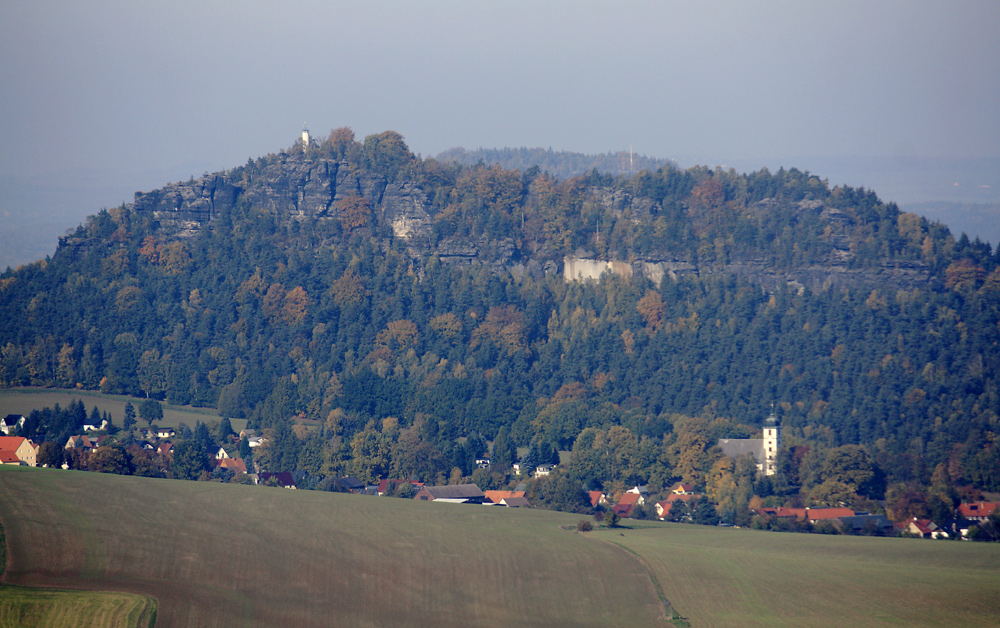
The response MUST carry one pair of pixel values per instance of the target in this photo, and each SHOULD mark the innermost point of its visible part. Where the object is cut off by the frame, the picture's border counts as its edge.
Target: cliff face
(300, 187)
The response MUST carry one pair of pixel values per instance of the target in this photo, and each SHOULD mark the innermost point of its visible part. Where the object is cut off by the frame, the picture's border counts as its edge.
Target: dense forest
(415, 310)
(561, 164)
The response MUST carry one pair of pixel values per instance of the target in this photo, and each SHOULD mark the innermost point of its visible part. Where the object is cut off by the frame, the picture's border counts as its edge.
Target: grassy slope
(732, 577)
(24, 607)
(23, 400)
(227, 555)
(244, 556)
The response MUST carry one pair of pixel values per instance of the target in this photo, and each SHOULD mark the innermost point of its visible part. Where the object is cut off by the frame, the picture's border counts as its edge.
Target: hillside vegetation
(224, 555)
(415, 311)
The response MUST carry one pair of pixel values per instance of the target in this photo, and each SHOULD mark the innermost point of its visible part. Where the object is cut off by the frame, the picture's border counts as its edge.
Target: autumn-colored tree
(651, 308)
(127, 298)
(963, 274)
(447, 326)
(498, 189)
(174, 258)
(340, 141)
(296, 306)
(148, 250)
(349, 289)
(398, 335)
(251, 288)
(705, 206)
(354, 212)
(274, 300)
(505, 326)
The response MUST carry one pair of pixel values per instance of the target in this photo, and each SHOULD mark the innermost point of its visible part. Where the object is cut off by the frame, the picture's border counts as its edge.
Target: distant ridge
(562, 164)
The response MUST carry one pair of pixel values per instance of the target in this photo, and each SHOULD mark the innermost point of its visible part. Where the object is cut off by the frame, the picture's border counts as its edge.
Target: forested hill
(351, 282)
(561, 164)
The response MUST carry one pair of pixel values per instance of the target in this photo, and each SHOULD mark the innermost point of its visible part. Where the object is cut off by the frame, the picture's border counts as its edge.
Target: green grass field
(23, 400)
(741, 577)
(228, 555)
(41, 608)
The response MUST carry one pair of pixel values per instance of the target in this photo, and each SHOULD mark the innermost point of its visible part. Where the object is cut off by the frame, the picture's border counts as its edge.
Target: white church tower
(772, 441)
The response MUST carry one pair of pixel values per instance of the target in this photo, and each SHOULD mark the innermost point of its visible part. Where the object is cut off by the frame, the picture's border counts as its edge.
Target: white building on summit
(765, 450)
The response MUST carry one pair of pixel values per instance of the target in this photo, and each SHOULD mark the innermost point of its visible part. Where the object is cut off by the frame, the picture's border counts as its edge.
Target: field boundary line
(669, 612)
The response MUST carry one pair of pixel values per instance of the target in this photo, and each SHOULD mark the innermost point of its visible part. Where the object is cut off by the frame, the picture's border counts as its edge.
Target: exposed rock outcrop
(300, 186)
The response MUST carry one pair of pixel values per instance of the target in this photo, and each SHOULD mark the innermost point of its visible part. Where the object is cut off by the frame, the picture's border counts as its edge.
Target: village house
(453, 494)
(679, 492)
(542, 470)
(236, 465)
(351, 484)
(81, 442)
(663, 507)
(515, 502)
(626, 504)
(19, 448)
(923, 528)
(496, 497)
(812, 515)
(10, 423)
(977, 511)
(597, 498)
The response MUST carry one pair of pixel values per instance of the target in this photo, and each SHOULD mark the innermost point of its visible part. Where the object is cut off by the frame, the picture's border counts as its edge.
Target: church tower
(772, 441)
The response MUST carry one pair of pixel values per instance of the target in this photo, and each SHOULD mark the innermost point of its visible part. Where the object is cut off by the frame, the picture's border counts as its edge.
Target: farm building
(454, 494)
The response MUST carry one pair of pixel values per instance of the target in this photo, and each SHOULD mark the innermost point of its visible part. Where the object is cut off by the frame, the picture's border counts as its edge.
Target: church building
(765, 449)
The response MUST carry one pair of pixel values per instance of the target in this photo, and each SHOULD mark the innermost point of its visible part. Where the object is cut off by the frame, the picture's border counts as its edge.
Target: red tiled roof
(680, 487)
(595, 498)
(816, 514)
(812, 514)
(922, 526)
(10, 443)
(235, 464)
(977, 509)
(496, 496)
(629, 499)
(8, 457)
(622, 510)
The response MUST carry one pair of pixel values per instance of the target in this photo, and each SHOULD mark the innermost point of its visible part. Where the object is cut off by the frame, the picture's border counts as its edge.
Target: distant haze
(102, 99)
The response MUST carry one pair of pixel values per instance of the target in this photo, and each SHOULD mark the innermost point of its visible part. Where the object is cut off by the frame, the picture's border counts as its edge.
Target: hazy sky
(129, 91)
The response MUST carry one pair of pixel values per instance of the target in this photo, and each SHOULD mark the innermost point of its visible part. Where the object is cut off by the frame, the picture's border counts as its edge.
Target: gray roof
(738, 447)
(515, 502)
(454, 491)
